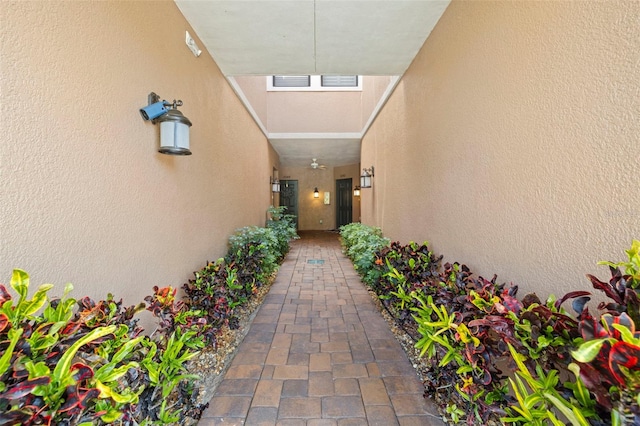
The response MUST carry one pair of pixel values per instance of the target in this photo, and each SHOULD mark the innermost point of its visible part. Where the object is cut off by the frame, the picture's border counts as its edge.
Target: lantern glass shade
(316, 194)
(174, 133)
(275, 186)
(356, 191)
(365, 180)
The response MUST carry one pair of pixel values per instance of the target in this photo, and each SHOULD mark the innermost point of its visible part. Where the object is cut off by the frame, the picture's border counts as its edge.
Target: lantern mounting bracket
(174, 126)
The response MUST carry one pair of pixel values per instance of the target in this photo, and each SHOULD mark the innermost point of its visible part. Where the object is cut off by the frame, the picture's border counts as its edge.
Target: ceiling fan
(315, 165)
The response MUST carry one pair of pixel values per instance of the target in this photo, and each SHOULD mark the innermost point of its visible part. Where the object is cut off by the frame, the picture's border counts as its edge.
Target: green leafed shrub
(254, 252)
(254, 255)
(360, 243)
(284, 228)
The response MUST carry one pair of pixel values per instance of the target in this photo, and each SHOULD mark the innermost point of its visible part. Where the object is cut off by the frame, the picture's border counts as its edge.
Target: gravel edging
(423, 366)
(212, 363)
(419, 363)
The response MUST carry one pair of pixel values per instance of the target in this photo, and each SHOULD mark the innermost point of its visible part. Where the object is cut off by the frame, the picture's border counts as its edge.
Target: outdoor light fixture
(174, 127)
(275, 185)
(356, 191)
(316, 194)
(365, 178)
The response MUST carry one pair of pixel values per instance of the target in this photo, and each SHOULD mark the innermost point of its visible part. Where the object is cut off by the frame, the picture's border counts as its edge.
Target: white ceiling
(306, 37)
(301, 37)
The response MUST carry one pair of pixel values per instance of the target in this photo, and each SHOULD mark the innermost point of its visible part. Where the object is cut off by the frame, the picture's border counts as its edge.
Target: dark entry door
(289, 197)
(344, 202)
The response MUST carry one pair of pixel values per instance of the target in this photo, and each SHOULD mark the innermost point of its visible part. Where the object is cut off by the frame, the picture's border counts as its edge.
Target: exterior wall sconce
(174, 127)
(356, 191)
(275, 185)
(365, 177)
(316, 193)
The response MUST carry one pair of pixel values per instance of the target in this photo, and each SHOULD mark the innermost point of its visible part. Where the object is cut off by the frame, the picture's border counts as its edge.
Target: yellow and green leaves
(538, 400)
(632, 266)
(25, 308)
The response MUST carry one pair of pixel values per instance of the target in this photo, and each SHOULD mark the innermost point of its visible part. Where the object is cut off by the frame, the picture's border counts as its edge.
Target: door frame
(342, 194)
(285, 184)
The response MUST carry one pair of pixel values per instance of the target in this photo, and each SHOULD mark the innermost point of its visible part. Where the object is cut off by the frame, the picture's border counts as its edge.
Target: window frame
(315, 86)
(298, 77)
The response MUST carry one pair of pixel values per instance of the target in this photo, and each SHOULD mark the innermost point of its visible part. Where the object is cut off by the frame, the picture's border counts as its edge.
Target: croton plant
(80, 362)
(609, 357)
(495, 356)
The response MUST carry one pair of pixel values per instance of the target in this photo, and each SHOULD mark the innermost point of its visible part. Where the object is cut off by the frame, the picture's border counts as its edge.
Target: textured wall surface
(512, 143)
(255, 91)
(313, 112)
(85, 196)
(313, 210)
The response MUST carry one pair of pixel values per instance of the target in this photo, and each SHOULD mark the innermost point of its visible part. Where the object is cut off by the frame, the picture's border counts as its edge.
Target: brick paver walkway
(319, 353)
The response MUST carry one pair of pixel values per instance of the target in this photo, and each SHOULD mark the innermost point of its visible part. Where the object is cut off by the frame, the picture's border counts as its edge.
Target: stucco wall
(85, 196)
(512, 142)
(312, 211)
(374, 89)
(313, 112)
(255, 91)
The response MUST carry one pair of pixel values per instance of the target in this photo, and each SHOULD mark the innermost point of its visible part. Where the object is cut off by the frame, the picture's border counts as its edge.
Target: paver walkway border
(319, 353)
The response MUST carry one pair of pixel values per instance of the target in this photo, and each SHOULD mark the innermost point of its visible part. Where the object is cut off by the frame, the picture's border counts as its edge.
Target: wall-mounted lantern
(316, 193)
(174, 127)
(275, 185)
(356, 191)
(365, 177)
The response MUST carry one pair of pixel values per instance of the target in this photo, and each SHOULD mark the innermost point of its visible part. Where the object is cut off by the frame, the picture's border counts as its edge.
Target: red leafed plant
(580, 369)
(609, 357)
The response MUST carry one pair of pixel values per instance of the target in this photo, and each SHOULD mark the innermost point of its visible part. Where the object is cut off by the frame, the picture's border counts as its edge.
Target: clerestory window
(314, 83)
(291, 81)
(339, 80)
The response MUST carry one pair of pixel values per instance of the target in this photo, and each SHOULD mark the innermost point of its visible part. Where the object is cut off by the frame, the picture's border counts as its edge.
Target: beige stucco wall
(512, 143)
(311, 211)
(313, 112)
(85, 196)
(313, 214)
(255, 91)
(375, 88)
